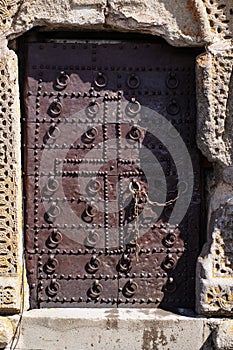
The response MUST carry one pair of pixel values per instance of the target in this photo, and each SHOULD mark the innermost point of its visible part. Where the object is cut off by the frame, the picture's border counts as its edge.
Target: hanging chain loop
(140, 198)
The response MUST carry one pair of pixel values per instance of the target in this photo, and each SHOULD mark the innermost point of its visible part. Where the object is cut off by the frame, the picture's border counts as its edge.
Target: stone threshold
(130, 329)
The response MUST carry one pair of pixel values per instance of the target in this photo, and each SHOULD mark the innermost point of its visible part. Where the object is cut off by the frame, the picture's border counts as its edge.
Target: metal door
(96, 171)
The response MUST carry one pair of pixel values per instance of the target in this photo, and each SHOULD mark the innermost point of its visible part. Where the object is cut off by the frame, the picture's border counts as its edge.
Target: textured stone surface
(102, 329)
(215, 138)
(144, 329)
(6, 332)
(219, 15)
(10, 184)
(58, 13)
(186, 22)
(214, 102)
(181, 23)
(214, 267)
(177, 21)
(223, 336)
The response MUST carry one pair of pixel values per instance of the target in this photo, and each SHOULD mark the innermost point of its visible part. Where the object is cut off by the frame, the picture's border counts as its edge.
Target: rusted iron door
(95, 236)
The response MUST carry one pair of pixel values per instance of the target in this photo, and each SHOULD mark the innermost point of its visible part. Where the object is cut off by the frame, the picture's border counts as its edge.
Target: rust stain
(193, 9)
(191, 6)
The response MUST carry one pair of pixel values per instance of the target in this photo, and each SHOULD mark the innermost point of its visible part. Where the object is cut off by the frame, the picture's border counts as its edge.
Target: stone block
(114, 329)
(223, 336)
(6, 332)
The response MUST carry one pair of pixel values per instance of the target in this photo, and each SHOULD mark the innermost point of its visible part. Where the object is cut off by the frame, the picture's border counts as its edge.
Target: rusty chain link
(139, 194)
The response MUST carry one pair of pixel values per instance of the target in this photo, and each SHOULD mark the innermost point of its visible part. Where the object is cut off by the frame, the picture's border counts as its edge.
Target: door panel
(94, 236)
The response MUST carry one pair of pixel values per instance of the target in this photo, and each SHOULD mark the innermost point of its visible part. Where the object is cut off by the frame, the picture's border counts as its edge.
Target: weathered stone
(120, 329)
(214, 294)
(60, 14)
(6, 332)
(214, 101)
(102, 329)
(8, 10)
(223, 336)
(219, 13)
(177, 21)
(180, 22)
(215, 139)
(10, 184)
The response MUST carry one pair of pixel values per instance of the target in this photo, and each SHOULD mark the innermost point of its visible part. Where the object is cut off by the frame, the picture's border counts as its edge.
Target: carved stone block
(215, 265)
(10, 186)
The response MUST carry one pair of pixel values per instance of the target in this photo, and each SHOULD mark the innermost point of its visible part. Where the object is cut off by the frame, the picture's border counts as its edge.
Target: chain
(136, 214)
(138, 194)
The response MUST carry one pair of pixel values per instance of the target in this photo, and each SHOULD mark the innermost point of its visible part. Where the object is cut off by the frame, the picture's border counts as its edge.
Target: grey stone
(101, 329)
(223, 336)
(174, 20)
(6, 332)
(214, 290)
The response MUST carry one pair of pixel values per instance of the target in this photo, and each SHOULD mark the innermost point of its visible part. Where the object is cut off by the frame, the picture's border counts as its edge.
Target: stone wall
(202, 23)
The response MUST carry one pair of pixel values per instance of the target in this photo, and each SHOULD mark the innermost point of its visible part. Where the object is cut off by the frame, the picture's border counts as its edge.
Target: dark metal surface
(72, 264)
